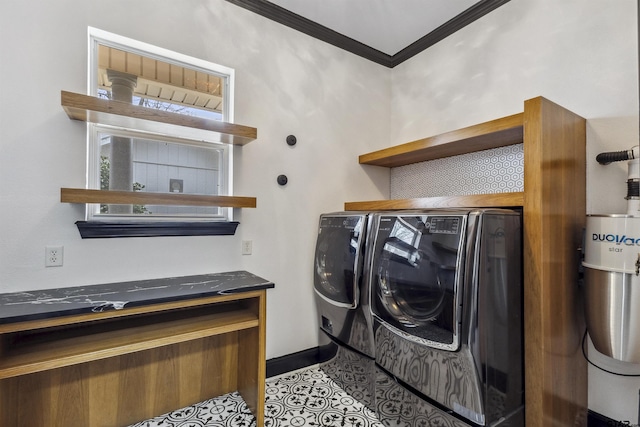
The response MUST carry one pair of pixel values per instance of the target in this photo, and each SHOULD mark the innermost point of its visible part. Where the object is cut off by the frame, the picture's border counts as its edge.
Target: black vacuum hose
(614, 156)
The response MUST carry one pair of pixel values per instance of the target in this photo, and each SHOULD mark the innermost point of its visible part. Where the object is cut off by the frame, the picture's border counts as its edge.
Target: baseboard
(595, 419)
(293, 361)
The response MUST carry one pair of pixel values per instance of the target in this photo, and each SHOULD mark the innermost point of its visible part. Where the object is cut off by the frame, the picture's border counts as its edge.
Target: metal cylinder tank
(612, 285)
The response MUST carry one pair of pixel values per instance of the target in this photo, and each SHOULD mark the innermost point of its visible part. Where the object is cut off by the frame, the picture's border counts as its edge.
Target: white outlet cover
(53, 256)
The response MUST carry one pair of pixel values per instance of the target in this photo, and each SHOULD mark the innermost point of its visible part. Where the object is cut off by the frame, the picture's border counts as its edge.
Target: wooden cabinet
(123, 366)
(554, 209)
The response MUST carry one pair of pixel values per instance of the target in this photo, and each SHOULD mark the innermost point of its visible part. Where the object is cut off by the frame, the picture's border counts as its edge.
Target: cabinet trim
(471, 201)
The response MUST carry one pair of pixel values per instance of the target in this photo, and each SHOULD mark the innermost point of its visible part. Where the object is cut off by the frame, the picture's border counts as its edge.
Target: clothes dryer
(342, 301)
(446, 290)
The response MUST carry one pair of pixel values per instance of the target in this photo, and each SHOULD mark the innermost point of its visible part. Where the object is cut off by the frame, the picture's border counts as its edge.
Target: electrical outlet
(247, 245)
(53, 256)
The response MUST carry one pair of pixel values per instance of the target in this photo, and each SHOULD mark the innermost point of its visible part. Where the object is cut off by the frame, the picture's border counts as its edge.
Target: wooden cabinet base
(128, 388)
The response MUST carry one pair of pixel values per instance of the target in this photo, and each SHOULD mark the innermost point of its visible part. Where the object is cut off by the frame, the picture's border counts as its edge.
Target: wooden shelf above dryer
(484, 136)
(504, 200)
(105, 111)
(80, 195)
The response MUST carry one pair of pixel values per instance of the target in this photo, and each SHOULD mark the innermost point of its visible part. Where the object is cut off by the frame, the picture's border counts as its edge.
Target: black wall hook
(282, 179)
(291, 140)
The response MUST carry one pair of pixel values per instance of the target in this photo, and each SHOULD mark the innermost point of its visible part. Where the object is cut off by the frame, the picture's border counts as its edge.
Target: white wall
(286, 83)
(581, 54)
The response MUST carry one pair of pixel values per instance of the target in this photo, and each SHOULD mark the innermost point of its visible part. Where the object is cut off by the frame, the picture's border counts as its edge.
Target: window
(154, 157)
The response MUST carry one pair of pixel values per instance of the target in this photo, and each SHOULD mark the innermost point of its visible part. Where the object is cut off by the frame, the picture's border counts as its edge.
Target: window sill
(101, 230)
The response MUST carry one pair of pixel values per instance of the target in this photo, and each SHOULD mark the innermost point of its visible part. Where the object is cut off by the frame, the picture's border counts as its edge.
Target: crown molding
(457, 23)
(292, 20)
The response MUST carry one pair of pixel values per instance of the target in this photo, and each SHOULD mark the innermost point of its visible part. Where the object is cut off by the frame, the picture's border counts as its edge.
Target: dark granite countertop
(48, 303)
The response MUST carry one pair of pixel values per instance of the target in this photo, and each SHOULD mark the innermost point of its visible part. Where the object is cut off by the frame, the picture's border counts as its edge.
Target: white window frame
(153, 130)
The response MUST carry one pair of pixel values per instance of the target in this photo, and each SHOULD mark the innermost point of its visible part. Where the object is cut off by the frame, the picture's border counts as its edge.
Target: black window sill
(102, 230)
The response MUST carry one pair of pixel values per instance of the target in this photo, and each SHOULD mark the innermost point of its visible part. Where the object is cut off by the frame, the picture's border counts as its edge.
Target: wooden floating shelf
(471, 201)
(39, 353)
(484, 136)
(79, 195)
(105, 111)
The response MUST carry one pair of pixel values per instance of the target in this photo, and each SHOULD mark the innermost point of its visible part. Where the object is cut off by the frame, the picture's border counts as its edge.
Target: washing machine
(446, 299)
(342, 301)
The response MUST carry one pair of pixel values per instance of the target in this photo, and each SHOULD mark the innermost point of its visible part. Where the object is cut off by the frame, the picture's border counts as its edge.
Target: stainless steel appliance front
(446, 288)
(342, 299)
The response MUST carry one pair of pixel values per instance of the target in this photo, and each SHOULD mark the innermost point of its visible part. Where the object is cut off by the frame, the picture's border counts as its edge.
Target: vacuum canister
(612, 285)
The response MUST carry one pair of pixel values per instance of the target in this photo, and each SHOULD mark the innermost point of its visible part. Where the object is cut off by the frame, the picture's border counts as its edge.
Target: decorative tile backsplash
(499, 170)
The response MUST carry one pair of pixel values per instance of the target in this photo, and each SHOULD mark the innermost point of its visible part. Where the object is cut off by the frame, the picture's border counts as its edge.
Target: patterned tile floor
(307, 397)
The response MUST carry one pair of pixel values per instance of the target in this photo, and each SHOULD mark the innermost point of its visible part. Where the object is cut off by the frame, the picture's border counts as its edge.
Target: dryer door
(417, 276)
(338, 259)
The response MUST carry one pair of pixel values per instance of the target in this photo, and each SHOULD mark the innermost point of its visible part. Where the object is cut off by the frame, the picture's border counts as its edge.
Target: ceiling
(385, 31)
(380, 24)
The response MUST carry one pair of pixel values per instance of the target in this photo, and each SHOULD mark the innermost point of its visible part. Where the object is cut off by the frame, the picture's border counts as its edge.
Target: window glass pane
(162, 85)
(163, 166)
